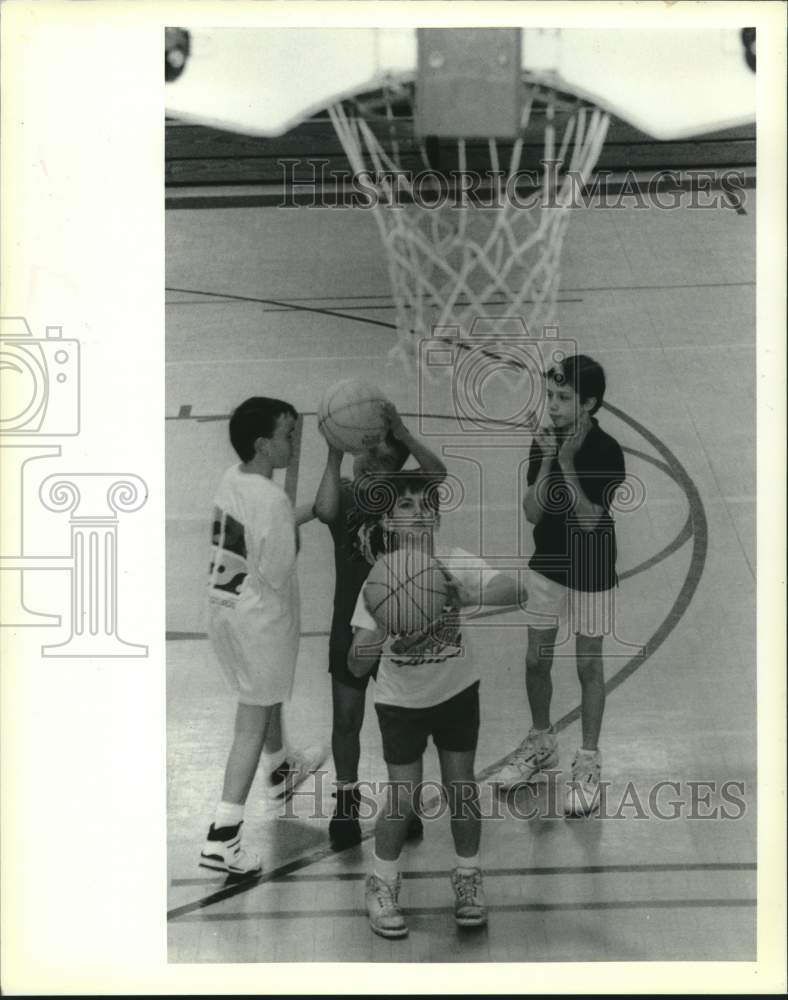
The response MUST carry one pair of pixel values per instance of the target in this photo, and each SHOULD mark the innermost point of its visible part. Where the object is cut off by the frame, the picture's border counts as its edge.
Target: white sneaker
(582, 793)
(470, 906)
(536, 753)
(383, 909)
(301, 763)
(223, 852)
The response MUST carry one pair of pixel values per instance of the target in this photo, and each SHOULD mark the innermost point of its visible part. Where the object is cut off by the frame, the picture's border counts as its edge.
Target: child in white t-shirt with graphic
(427, 685)
(254, 616)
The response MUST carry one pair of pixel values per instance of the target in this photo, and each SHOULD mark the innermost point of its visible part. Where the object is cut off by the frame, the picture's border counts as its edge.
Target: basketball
(406, 590)
(351, 416)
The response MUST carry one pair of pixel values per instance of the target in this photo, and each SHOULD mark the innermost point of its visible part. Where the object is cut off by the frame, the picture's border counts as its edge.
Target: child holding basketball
(427, 685)
(356, 535)
(254, 619)
(574, 469)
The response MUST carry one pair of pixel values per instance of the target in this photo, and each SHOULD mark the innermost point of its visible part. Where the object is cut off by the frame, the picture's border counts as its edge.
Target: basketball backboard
(670, 83)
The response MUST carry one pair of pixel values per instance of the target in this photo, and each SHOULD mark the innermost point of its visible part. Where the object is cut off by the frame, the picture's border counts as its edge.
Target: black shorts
(339, 644)
(452, 724)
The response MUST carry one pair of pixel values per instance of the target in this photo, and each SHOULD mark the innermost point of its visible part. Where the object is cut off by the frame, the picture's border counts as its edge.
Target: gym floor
(285, 302)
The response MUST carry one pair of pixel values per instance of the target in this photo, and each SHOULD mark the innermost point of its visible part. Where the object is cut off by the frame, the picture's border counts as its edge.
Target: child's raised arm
(326, 506)
(543, 450)
(428, 460)
(588, 511)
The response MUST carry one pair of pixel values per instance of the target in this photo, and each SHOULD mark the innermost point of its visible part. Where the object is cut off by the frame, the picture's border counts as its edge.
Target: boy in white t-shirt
(427, 685)
(254, 615)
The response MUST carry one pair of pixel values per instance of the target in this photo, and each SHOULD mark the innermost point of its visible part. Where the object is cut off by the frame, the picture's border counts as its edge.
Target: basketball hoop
(457, 253)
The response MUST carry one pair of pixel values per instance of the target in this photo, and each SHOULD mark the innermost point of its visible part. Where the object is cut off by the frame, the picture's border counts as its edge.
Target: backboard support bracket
(469, 82)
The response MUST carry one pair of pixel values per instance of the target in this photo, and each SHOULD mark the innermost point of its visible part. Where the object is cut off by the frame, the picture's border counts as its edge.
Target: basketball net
(460, 261)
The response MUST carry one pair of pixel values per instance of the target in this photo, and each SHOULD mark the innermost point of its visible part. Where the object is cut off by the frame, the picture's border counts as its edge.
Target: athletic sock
(386, 870)
(228, 814)
(467, 864)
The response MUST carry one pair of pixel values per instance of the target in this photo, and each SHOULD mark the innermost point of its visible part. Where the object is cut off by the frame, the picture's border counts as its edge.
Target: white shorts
(259, 668)
(586, 612)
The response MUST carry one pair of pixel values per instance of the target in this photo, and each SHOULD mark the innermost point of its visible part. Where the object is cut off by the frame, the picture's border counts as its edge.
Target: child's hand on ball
(332, 448)
(394, 420)
(458, 595)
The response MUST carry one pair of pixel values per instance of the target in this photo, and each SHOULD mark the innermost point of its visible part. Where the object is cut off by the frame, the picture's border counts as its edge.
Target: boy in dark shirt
(574, 469)
(353, 519)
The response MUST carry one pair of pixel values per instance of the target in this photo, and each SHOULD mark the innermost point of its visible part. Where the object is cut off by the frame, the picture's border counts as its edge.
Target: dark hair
(584, 375)
(256, 417)
(401, 449)
(388, 487)
(376, 493)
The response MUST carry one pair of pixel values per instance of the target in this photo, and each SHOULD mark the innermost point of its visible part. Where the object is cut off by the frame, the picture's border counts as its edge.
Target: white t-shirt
(448, 668)
(253, 590)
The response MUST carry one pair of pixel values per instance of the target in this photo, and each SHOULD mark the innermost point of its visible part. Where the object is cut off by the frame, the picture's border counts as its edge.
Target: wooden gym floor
(269, 301)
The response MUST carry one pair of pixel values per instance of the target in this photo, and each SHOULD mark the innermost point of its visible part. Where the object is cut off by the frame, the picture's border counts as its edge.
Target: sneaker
(470, 906)
(582, 793)
(537, 752)
(223, 852)
(383, 909)
(344, 829)
(295, 770)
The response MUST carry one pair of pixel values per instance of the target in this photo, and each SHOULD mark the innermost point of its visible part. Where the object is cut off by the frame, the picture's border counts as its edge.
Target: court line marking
(292, 303)
(419, 911)
(700, 866)
(214, 362)
(176, 636)
(674, 615)
(224, 296)
(377, 306)
(380, 296)
(381, 358)
(292, 306)
(317, 311)
(185, 411)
